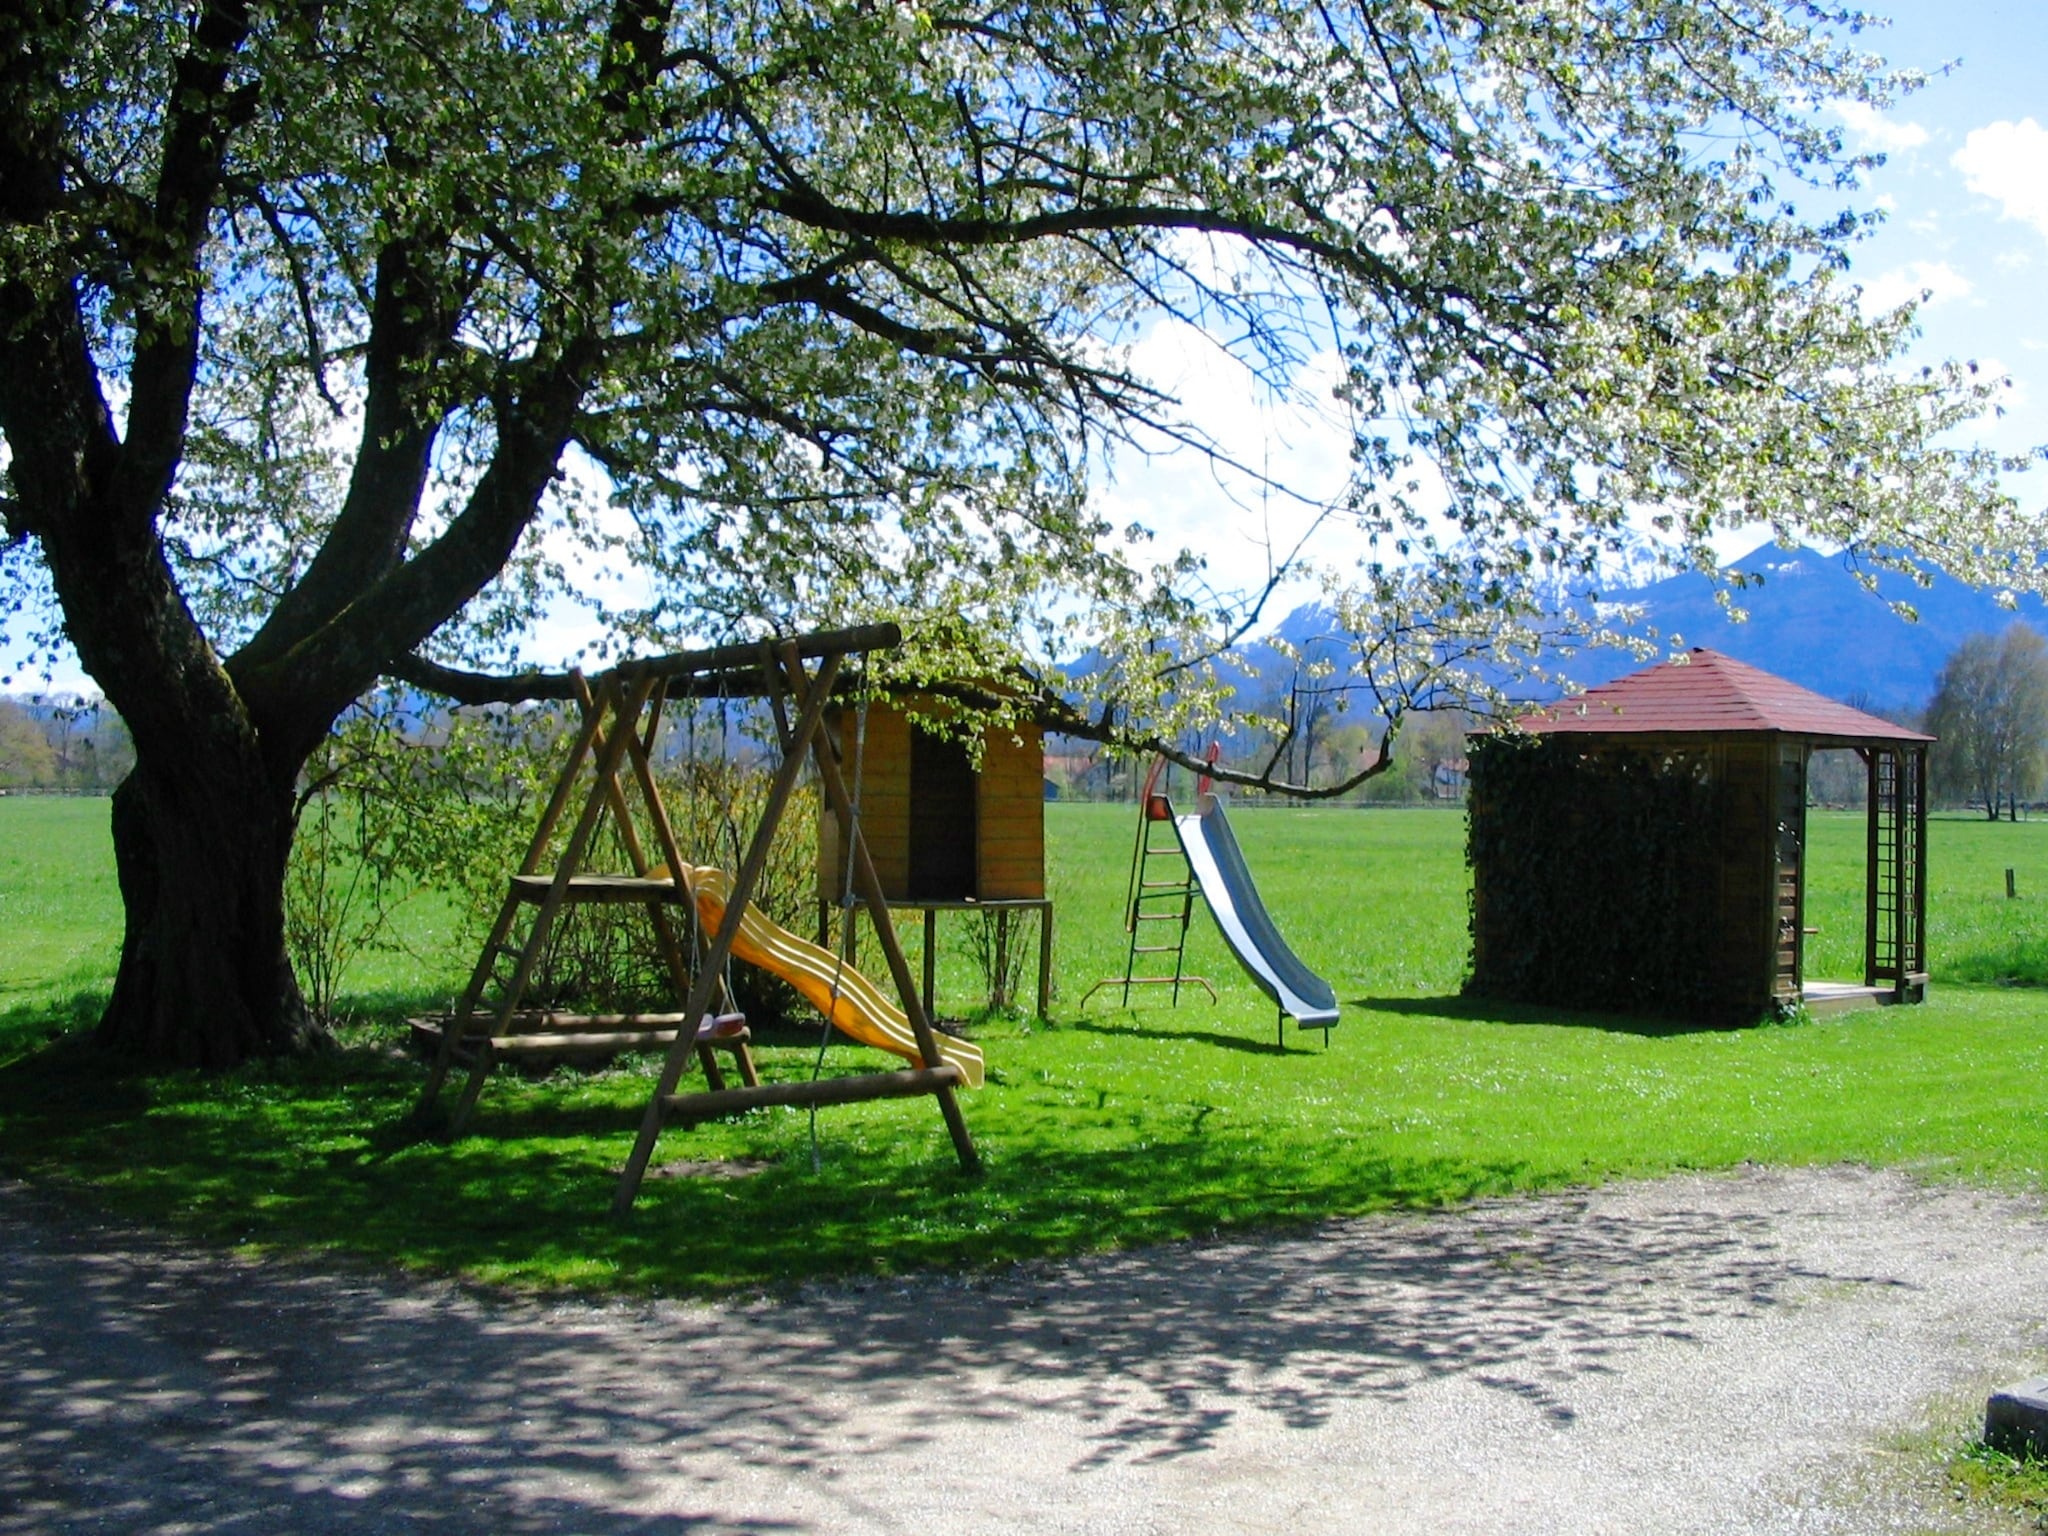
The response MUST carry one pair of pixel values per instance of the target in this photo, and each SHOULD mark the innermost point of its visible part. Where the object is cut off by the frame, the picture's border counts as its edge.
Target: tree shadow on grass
(323, 1159)
(26, 1029)
(1493, 1010)
(1136, 1031)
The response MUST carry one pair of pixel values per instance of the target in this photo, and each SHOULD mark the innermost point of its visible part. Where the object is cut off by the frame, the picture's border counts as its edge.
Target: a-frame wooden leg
(623, 707)
(868, 886)
(744, 883)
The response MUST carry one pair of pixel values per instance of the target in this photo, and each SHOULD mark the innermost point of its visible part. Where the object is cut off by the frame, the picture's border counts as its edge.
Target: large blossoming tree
(337, 335)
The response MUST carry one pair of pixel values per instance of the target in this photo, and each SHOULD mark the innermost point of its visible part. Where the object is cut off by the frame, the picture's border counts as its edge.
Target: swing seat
(713, 1028)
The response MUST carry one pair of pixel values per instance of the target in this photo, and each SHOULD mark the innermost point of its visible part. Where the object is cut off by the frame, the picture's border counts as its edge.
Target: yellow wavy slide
(857, 1008)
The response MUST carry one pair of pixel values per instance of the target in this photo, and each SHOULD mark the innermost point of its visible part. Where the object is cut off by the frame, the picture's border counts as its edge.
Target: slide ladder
(1159, 903)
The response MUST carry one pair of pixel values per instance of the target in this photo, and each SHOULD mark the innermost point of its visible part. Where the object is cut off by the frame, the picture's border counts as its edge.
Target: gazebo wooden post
(1920, 823)
(1873, 859)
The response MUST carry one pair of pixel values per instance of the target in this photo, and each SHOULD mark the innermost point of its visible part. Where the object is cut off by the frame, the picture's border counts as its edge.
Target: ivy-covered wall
(1611, 877)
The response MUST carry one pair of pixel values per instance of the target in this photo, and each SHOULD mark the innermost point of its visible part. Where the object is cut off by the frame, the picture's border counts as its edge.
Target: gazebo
(1642, 847)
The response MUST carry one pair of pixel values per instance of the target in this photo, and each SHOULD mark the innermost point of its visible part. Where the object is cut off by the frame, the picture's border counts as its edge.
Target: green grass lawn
(1100, 1127)
(60, 913)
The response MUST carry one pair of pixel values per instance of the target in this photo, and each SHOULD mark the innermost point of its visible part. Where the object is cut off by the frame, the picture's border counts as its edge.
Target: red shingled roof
(1707, 693)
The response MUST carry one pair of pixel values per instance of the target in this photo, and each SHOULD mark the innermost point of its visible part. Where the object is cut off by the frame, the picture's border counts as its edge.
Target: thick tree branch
(479, 688)
(411, 325)
(198, 128)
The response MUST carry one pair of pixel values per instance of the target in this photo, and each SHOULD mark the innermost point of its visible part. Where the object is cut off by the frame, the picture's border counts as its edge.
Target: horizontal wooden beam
(586, 889)
(541, 1021)
(690, 1108)
(540, 1033)
(735, 660)
(572, 1045)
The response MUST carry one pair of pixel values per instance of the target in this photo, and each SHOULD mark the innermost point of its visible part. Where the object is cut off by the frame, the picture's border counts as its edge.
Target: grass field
(1100, 1127)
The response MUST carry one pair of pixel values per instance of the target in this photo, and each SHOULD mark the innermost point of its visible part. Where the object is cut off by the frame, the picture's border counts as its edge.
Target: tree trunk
(200, 847)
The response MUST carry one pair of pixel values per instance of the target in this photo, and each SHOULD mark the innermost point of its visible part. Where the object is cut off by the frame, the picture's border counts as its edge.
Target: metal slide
(1219, 869)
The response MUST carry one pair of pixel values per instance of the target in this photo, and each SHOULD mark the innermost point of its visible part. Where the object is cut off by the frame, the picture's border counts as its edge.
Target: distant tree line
(62, 742)
(1990, 713)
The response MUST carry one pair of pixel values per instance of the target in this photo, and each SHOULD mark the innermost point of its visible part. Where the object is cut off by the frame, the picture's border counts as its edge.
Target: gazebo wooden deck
(1734, 743)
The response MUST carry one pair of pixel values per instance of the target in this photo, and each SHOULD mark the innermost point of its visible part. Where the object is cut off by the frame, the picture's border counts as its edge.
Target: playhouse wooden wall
(939, 830)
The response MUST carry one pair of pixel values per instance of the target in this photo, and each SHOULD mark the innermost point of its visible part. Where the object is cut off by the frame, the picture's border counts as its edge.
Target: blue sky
(1965, 187)
(1965, 192)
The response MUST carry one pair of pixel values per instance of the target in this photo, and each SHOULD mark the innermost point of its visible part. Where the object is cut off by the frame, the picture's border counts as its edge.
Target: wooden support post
(1044, 959)
(811, 712)
(1873, 873)
(501, 929)
(868, 887)
(1002, 998)
(624, 706)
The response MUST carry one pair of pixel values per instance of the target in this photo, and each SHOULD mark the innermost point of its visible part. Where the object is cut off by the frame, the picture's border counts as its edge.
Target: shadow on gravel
(148, 1386)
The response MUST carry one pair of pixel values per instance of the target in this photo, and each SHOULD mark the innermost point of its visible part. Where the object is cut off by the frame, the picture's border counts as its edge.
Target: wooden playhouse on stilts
(1641, 848)
(949, 830)
(611, 765)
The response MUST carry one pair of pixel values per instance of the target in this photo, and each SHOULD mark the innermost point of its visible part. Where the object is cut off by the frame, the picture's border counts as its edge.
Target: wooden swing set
(616, 741)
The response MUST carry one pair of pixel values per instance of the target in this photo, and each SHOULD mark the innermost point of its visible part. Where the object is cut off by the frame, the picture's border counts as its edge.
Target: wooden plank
(690, 1108)
(584, 1044)
(584, 889)
(1002, 842)
(546, 1021)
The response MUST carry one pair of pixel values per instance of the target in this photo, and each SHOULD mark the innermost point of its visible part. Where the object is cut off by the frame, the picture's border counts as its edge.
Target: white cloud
(1937, 279)
(2008, 163)
(1873, 130)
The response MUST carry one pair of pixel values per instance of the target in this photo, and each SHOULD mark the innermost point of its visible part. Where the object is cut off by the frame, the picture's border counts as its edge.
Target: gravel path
(1753, 1353)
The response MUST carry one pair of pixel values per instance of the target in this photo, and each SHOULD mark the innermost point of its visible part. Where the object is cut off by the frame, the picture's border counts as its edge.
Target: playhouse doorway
(942, 787)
